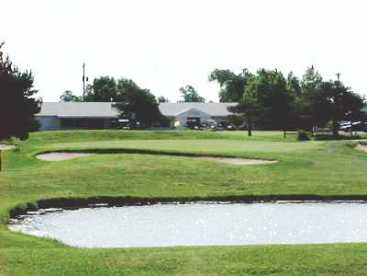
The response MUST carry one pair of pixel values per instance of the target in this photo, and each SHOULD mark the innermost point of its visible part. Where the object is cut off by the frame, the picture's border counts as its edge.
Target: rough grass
(307, 168)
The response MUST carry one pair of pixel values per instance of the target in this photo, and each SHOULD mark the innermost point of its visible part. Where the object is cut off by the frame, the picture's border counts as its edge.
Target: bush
(302, 135)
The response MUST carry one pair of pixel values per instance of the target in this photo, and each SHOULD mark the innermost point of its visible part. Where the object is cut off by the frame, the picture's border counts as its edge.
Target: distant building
(99, 115)
(180, 113)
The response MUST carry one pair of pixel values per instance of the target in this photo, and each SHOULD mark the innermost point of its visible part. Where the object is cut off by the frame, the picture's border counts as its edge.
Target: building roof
(106, 109)
(213, 109)
(78, 110)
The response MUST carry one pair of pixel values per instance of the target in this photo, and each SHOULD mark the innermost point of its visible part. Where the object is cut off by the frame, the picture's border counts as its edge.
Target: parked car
(348, 126)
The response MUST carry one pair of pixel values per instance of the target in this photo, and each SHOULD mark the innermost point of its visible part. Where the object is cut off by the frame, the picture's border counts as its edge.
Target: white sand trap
(361, 147)
(6, 147)
(61, 156)
(239, 161)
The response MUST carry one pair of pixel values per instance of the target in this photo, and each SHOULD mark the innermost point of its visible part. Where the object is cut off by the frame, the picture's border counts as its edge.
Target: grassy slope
(324, 168)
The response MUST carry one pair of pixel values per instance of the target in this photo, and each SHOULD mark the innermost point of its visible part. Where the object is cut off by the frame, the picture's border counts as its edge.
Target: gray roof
(78, 110)
(213, 109)
(106, 110)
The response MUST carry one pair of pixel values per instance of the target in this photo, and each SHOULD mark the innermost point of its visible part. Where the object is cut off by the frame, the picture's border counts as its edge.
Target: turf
(306, 168)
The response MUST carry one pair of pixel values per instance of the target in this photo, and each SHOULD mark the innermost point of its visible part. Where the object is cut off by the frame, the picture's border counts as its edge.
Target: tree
(103, 89)
(331, 101)
(310, 104)
(248, 106)
(231, 85)
(162, 99)
(68, 96)
(189, 94)
(136, 104)
(340, 103)
(269, 88)
(17, 103)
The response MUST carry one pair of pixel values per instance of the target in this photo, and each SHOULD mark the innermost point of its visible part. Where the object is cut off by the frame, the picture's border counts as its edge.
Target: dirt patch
(6, 147)
(361, 147)
(239, 161)
(61, 156)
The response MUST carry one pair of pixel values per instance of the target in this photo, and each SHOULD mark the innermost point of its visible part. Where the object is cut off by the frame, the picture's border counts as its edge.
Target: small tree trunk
(249, 127)
(335, 129)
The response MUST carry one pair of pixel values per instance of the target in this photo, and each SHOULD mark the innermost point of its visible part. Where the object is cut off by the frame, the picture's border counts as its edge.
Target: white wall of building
(182, 117)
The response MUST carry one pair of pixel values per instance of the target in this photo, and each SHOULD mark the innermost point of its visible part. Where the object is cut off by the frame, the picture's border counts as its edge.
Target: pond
(198, 224)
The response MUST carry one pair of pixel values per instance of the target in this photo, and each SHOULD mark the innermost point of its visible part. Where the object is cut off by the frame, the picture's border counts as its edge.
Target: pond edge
(113, 201)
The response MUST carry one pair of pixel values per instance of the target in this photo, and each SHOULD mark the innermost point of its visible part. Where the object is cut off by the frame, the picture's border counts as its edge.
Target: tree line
(137, 104)
(266, 99)
(270, 100)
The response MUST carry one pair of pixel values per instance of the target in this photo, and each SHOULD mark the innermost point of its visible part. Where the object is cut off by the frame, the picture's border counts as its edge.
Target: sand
(6, 147)
(61, 156)
(361, 147)
(239, 161)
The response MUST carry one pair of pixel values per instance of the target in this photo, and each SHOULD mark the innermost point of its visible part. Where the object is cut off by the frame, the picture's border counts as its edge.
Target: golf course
(169, 165)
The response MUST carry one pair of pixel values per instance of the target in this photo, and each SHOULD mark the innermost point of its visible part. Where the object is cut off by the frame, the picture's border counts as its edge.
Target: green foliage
(322, 102)
(190, 95)
(267, 100)
(162, 99)
(17, 102)
(135, 103)
(68, 96)
(273, 101)
(231, 85)
(236, 120)
(103, 89)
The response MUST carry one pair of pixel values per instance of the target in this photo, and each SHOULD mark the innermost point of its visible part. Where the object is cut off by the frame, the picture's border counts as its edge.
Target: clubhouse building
(100, 115)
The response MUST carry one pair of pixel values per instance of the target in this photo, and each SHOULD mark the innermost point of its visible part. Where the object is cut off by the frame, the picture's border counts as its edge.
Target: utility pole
(83, 80)
(338, 76)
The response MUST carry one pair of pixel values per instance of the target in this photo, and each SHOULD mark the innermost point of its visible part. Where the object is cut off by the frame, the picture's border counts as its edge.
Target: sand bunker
(61, 156)
(6, 147)
(361, 147)
(239, 161)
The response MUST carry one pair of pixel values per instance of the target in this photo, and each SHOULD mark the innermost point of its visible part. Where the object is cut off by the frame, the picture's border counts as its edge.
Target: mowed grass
(305, 168)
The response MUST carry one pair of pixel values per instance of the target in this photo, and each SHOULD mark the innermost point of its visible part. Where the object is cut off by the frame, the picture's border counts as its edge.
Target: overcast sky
(165, 44)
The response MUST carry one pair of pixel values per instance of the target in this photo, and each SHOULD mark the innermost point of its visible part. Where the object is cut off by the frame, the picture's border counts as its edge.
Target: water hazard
(198, 224)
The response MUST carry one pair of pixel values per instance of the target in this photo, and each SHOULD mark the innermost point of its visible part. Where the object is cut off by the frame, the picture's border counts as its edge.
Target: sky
(165, 44)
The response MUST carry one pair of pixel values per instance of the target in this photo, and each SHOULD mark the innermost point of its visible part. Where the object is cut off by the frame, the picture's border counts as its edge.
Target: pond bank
(107, 201)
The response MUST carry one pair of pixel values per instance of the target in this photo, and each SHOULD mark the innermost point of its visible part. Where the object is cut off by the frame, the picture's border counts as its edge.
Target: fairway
(148, 164)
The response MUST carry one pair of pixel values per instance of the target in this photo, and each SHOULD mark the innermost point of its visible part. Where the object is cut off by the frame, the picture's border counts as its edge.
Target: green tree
(340, 103)
(162, 99)
(270, 88)
(232, 86)
(189, 94)
(103, 89)
(136, 104)
(248, 106)
(17, 103)
(68, 96)
(310, 103)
